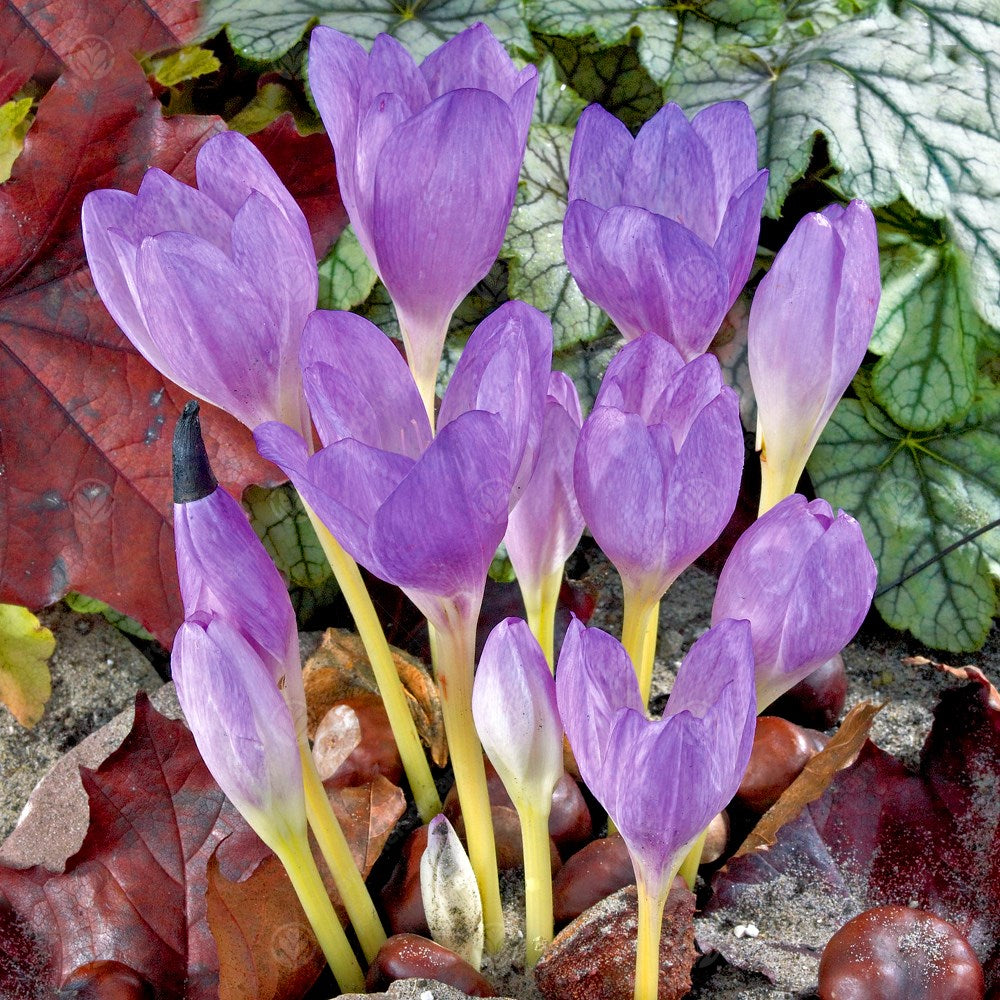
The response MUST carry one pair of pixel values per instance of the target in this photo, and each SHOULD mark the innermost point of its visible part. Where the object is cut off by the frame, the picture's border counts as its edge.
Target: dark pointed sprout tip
(193, 477)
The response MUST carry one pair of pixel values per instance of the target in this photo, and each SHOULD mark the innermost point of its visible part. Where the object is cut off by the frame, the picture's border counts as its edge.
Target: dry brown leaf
(339, 669)
(815, 777)
(967, 673)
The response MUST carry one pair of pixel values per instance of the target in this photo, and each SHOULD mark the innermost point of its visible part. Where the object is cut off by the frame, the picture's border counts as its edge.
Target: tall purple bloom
(426, 514)
(657, 473)
(661, 782)
(810, 323)
(661, 230)
(546, 524)
(427, 159)
(211, 284)
(804, 579)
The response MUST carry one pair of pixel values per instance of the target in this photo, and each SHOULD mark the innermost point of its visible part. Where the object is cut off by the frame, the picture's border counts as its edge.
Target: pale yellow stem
(305, 878)
(540, 607)
(689, 866)
(411, 751)
(453, 653)
(777, 481)
(337, 853)
(640, 626)
(535, 845)
(647, 953)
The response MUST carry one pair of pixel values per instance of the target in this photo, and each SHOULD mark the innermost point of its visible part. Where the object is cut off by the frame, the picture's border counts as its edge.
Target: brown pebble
(594, 957)
(595, 871)
(105, 980)
(781, 750)
(401, 895)
(899, 953)
(717, 839)
(507, 836)
(818, 699)
(409, 956)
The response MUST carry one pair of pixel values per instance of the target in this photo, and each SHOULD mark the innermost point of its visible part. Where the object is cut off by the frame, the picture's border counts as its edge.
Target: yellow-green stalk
(453, 653)
(337, 852)
(535, 843)
(305, 878)
(640, 626)
(540, 608)
(411, 751)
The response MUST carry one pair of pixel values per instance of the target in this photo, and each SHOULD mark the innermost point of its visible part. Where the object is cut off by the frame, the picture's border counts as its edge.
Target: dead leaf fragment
(25, 648)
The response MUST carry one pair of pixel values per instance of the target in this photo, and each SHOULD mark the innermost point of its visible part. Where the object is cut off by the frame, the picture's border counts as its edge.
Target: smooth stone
(594, 957)
(507, 837)
(818, 699)
(717, 839)
(781, 749)
(593, 873)
(401, 895)
(405, 956)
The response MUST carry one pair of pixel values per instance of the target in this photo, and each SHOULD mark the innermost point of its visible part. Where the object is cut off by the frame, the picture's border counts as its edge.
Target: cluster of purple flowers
(216, 286)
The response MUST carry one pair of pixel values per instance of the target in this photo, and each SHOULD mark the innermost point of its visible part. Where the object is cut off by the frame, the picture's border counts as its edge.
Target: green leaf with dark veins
(346, 278)
(610, 76)
(91, 606)
(905, 116)
(927, 331)
(533, 245)
(283, 526)
(265, 29)
(586, 364)
(915, 494)
(556, 102)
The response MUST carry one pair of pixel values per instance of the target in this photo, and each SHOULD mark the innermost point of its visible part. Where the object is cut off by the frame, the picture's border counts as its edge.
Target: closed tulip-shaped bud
(224, 569)
(514, 706)
(546, 524)
(661, 782)
(657, 474)
(810, 323)
(804, 579)
(661, 230)
(427, 159)
(211, 284)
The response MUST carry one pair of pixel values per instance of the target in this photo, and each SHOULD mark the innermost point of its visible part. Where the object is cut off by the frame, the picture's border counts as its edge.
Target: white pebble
(427, 995)
(752, 930)
(739, 930)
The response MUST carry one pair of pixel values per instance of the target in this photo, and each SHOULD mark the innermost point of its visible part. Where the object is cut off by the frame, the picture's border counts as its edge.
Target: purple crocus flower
(424, 514)
(810, 323)
(427, 159)
(804, 579)
(661, 782)
(211, 284)
(658, 465)
(661, 230)
(242, 726)
(224, 570)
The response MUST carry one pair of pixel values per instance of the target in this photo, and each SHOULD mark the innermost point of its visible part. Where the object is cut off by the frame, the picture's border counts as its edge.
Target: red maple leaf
(85, 422)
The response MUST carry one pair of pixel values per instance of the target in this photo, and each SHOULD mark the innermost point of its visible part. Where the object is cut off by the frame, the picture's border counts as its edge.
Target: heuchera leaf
(880, 835)
(25, 648)
(908, 105)
(346, 278)
(927, 331)
(266, 29)
(916, 493)
(135, 891)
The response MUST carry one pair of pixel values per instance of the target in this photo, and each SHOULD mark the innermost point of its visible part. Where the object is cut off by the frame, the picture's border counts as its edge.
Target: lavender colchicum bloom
(211, 284)
(810, 324)
(660, 781)
(426, 514)
(661, 230)
(427, 159)
(804, 579)
(658, 464)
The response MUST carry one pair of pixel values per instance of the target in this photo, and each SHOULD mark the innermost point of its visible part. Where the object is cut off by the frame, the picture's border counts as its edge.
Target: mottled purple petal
(438, 531)
(728, 133)
(516, 715)
(736, 244)
(358, 385)
(432, 179)
(241, 725)
(599, 158)
(471, 60)
(595, 680)
(221, 344)
(164, 204)
(640, 377)
(689, 390)
(670, 173)
(620, 483)
(391, 70)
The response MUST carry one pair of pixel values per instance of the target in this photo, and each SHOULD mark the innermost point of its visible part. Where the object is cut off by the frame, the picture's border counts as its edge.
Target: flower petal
(516, 715)
(727, 130)
(471, 60)
(391, 70)
(598, 159)
(736, 244)
(639, 377)
(358, 385)
(164, 204)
